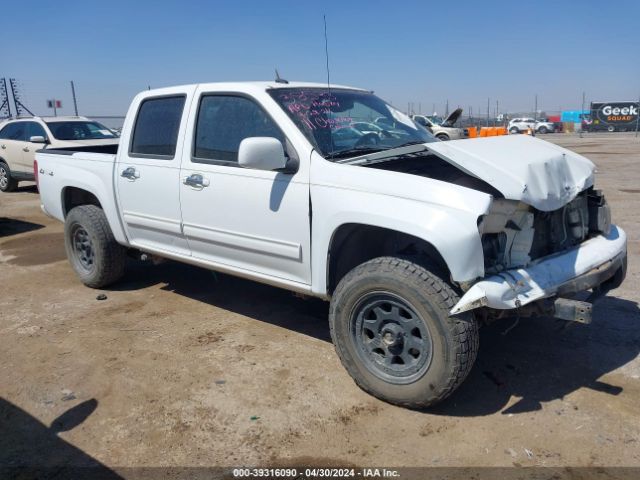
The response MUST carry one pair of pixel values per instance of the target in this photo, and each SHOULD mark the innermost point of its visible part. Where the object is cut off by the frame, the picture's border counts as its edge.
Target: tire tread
(113, 254)
(465, 329)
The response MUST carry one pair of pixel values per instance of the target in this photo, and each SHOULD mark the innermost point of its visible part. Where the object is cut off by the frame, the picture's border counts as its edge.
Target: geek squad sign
(617, 112)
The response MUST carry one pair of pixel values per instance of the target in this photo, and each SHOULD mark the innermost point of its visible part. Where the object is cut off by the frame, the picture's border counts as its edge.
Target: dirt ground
(180, 366)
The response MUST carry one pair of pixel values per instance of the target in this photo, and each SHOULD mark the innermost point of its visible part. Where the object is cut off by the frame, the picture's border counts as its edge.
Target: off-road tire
(454, 338)
(7, 182)
(109, 257)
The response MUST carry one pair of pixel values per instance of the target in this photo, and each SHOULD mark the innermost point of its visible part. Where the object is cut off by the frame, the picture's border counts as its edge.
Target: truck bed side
(67, 175)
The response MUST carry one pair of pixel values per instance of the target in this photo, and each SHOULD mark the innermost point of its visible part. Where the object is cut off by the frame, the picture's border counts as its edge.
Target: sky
(411, 51)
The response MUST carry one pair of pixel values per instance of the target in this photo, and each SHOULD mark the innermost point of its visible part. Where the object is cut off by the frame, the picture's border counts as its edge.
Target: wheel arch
(72, 197)
(74, 194)
(352, 244)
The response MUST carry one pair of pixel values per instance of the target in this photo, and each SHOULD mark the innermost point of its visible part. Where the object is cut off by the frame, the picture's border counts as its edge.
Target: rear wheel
(514, 130)
(91, 248)
(391, 327)
(611, 128)
(7, 182)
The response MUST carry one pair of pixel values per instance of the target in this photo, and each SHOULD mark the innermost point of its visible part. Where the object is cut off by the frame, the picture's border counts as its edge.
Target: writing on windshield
(350, 121)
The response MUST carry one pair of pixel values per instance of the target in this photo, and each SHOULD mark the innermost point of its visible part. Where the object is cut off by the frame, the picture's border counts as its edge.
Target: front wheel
(391, 328)
(543, 130)
(442, 136)
(611, 128)
(91, 248)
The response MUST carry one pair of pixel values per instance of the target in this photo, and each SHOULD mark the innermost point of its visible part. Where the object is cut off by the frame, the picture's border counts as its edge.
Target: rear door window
(14, 131)
(155, 133)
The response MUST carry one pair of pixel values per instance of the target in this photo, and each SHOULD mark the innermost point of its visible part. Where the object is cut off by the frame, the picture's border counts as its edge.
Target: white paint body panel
(150, 204)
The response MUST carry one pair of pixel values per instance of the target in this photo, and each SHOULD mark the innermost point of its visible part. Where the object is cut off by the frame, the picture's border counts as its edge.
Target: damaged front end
(534, 258)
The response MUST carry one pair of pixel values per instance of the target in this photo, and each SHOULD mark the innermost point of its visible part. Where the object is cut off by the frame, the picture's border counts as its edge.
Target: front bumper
(581, 268)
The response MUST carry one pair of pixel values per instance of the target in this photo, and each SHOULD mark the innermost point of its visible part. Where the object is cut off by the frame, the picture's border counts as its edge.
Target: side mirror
(262, 153)
(37, 139)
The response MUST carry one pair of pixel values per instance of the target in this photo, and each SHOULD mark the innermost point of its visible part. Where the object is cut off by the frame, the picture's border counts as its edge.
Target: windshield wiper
(354, 152)
(414, 142)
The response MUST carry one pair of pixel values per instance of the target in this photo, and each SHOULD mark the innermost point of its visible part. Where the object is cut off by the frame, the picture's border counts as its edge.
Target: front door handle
(130, 173)
(196, 180)
(25, 149)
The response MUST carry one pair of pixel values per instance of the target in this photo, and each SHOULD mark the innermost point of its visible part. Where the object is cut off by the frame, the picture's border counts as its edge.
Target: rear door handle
(196, 180)
(130, 173)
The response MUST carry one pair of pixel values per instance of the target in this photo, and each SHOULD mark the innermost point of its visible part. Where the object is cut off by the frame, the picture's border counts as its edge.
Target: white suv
(442, 129)
(520, 125)
(20, 138)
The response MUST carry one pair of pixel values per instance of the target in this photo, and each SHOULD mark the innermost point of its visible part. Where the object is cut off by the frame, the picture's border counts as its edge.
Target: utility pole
(446, 110)
(488, 106)
(73, 94)
(582, 114)
(535, 116)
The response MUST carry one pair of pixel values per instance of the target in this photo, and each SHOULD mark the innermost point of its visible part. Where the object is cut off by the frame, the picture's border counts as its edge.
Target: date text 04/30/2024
(315, 473)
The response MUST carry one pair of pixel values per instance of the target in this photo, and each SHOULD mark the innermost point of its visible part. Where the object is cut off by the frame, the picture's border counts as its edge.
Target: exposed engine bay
(432, 166)
(515, 234)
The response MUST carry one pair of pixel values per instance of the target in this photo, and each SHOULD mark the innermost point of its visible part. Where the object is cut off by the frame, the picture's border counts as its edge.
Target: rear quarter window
(155, 133)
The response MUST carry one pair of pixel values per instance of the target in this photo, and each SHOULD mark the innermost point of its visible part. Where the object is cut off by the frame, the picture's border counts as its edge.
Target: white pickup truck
(414, 241)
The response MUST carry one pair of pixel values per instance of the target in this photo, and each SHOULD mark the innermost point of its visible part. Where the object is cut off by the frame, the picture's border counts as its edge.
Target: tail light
(35, 173)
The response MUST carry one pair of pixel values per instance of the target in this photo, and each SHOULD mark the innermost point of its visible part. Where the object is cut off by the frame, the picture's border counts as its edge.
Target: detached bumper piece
(572, 310)
(599, 261)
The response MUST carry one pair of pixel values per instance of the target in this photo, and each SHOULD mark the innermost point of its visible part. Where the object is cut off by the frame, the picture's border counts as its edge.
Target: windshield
(79, 130)
(435, 119)
(347, 123)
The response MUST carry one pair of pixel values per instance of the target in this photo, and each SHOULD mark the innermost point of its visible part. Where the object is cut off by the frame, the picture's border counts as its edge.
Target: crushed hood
(452, 118)
(521, 167)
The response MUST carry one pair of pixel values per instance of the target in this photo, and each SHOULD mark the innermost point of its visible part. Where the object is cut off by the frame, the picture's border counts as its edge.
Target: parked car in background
(20, 138)
(522, 125)
(442, 129)
(414, 242)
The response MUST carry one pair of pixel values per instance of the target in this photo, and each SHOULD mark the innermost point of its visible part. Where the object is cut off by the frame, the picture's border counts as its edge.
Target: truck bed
(89, 169)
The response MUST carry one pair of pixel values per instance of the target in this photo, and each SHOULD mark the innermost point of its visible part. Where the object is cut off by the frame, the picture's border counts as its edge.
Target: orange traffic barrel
(483, 131)
(473, 132)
